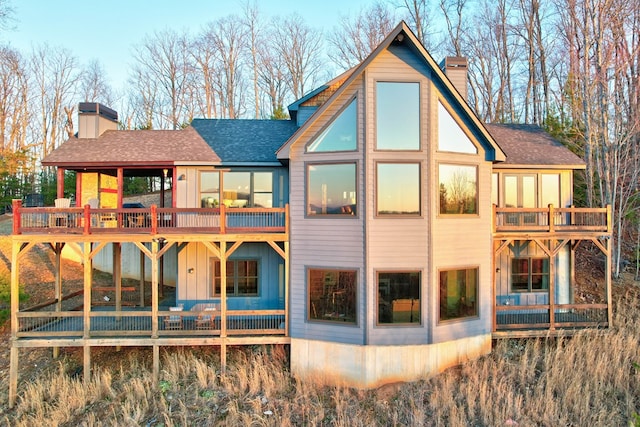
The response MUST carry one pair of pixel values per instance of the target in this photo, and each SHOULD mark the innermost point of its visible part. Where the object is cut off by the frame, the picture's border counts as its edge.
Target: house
(384, 232)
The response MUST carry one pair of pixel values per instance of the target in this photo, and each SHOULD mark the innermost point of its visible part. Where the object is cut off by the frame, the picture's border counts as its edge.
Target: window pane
(398, 116)
(398, 189)
(520, 274)
(340, 135)
(551, 190)
(451, 137)
(458, 293)
(539, 274)
(332, 295)
(242, 277)
(331, 189)
(398, 298)
(209, 189)
(262, 182)
(237, 189)
(458, 189)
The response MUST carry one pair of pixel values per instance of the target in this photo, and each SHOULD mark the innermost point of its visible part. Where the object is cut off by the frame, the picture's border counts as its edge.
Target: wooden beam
(233, 247)
(278, 249)
(15, 307)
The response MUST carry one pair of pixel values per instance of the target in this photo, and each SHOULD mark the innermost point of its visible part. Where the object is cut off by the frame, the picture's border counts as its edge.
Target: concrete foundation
(372, 366)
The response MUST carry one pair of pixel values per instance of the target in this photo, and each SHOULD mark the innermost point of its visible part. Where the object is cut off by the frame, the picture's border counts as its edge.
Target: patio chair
(173, 321)
(205, 321)
(60, 219)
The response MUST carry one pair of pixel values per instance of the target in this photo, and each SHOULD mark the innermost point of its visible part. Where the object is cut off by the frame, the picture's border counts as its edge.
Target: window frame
(251, 202)
(343, 214)
(216, 202)
(377, 193)
(378, 296)
(546, 272)
(476, 307)
(440, 213)
(310, 306)
(377, 112)
(214, 262)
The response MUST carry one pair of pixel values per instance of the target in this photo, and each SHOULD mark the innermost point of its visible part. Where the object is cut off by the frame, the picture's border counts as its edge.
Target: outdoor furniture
(57, 220)
(173, 321)
(206, 320)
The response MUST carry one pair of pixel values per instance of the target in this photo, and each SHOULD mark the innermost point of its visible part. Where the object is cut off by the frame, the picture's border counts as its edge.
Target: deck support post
(117, 275)
(86, 260)
(15, 306)
(552, 282)
(154, 289)
(156, 363)
(141, 279)
(86, 367)
(607, 272)
(58, 287)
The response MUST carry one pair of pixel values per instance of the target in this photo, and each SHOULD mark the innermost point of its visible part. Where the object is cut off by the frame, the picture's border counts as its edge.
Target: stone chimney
(94, 119)
(455, 67)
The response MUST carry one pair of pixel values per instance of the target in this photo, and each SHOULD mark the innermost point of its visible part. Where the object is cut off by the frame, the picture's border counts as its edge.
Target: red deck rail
(153, 220)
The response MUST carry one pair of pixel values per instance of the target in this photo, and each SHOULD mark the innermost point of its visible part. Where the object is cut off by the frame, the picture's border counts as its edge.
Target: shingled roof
(243, 142)
(530, 145)
(133, 147)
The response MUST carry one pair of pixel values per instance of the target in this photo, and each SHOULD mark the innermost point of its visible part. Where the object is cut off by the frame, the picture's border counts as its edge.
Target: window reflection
(398, 189)
(398, 116)
(458, 189)
(331, 189)
(451, 137)
(398, 297)
(209, 189)
(340, 135)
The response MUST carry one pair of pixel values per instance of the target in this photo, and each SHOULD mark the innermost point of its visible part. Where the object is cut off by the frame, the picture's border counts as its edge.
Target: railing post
(223, 218)
(552, 218)
(16, 205)
(87, 219)
(609, 223)
(493, 217)
(154, 219)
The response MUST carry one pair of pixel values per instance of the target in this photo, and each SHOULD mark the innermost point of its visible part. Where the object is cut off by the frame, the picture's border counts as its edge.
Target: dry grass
(591, 379)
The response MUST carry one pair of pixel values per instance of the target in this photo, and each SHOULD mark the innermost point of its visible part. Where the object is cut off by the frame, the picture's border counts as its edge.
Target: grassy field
(591, 379)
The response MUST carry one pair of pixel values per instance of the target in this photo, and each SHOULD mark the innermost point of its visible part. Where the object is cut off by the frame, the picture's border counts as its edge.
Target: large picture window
(398, 189)
(332, 295)
(458, 293)
(209, 189)
(242, 277)
(248, 189)
(331, 189)
(458, 189)
(398, 297)
(529, 274)
(451, 137)
(398, 116)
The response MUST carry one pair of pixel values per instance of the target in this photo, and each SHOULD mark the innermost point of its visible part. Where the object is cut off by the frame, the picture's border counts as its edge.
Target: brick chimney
(455, 67)
(94, 119)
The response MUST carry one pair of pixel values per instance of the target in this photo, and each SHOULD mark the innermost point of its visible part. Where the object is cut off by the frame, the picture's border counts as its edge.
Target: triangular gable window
(451, 137)
(340, 135)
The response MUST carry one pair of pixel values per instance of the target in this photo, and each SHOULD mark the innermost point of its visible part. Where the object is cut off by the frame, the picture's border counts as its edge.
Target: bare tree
(300, 47)
(355, 38)
(55, 75)
(164, 58)
(252, 22)
(94, 86)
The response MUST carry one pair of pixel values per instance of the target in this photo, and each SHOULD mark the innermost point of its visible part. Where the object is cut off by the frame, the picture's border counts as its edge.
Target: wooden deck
(552, 229)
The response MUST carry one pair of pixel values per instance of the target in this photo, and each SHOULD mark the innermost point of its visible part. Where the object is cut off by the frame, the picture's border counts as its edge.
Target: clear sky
(107, 30)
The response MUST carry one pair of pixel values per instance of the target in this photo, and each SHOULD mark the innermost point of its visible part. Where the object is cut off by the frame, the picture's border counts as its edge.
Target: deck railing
(563, 316)
(153, 220)
(139, 322)
(552, 219)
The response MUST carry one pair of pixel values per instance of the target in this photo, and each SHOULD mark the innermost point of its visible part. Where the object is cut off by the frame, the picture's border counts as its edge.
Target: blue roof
(241, 141)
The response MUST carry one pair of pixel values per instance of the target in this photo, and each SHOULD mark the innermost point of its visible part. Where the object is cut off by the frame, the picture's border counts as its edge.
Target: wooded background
(570, 66)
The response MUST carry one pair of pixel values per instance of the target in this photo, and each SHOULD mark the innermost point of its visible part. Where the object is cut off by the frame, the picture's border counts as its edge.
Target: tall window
(398, 189)
(331, 189)
(458, 189)
(340, 134)
(242, 277)
(529, 274)
(209, 189)
(458, 293)
(332, 295)
(398, 116)
(248, 189)
(398, 297)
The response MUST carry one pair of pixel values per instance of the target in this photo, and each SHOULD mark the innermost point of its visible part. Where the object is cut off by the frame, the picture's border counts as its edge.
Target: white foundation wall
(372, 366)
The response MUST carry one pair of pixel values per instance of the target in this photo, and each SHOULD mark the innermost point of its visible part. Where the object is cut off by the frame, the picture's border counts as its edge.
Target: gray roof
(133, 147)
(530, 145)
(239, 141)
